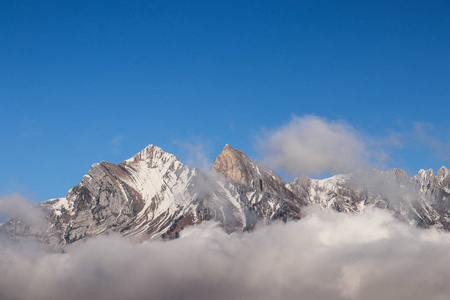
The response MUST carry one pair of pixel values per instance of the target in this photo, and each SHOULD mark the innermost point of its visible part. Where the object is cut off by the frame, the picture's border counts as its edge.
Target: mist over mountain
(152, 227)
(154, 195)
(318, 101)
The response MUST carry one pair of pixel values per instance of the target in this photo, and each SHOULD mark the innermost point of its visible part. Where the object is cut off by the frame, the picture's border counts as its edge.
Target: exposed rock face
(259, 189)
(237, 167)
(423, 199)
(153, 194)
(435, 201)
(140, 197)
(232, 163)
(150, 195)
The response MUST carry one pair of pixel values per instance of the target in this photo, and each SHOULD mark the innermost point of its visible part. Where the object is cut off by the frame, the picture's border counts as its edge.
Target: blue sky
(86, 81)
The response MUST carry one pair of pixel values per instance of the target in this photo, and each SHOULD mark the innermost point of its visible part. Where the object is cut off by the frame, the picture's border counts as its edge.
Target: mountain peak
(399, 174)
(237, 167)
(234, 164)
(443, 172)
(423, 173)
(235, 152)
(151, 154)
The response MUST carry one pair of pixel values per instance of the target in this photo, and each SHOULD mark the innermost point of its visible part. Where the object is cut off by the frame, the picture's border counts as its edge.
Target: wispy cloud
(196, 153)
(115, 143)
(440, 147)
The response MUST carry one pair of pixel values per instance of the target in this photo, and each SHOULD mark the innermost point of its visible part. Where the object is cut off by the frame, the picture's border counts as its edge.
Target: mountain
(154, 195)
(256, 187)
(423, 199)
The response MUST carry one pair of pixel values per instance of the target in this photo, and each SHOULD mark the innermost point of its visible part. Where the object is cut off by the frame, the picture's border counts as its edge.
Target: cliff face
(153, 194)
(237, 167)
(423, 199)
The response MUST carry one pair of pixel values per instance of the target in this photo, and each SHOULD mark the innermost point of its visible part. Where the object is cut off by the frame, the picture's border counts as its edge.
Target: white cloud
(115, 143)
(326, 255)
(313, 145)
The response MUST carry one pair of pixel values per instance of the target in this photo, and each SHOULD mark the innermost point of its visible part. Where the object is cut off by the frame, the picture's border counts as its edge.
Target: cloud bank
(313, 145)
(323, 256)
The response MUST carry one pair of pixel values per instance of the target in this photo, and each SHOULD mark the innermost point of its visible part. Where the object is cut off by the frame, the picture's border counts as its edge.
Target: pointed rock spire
(234, 164)
(237, 167)
(443, 172)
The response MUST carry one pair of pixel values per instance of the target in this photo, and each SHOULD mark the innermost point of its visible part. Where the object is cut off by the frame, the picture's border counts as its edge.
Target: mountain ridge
(154, 195)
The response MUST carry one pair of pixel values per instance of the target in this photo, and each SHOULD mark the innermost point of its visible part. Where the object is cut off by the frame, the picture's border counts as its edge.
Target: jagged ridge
(153, 194)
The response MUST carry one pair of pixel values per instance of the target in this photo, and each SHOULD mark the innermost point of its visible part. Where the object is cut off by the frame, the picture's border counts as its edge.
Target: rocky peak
(301, 180)
(443, 176)
(424, 176)
(443, 172)
(234, 164)
(237, 167)
(400, 175)
(300, 186)
(153, 157)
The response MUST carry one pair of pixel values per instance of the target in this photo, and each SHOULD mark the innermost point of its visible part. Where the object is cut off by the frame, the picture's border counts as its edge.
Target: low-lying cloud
(314, 145)
(17, 207)
(326, 255)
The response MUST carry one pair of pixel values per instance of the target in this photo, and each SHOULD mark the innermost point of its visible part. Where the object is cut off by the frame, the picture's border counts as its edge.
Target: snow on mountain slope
(423, 199)
(261, 190)
(153, 194)
(149, 195)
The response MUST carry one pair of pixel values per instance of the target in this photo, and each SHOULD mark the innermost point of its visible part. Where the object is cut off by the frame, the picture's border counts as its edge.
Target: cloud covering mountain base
(325, 255)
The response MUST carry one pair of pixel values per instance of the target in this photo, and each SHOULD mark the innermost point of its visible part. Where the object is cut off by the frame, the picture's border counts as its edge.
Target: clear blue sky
(86, 81)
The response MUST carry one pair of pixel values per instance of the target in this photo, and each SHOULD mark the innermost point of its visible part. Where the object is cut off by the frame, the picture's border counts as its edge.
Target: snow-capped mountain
(423, 199)
(153, 194)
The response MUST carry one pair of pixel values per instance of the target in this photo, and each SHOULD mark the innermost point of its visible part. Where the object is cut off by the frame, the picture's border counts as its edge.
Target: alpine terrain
(154, 195)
